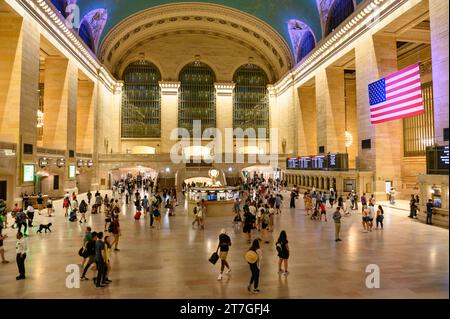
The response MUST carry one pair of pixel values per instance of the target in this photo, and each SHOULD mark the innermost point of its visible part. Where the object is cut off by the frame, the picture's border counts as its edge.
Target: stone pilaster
(376, 58)
(330, 103)
(439, 50)
(224, 107)
(85, 117)
(169, 113)
(307, 124)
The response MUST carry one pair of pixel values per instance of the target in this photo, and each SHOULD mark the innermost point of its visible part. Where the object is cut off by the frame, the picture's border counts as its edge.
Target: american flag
(396, 96)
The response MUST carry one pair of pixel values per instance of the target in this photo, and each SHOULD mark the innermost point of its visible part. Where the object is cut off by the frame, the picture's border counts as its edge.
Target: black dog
(46, 227)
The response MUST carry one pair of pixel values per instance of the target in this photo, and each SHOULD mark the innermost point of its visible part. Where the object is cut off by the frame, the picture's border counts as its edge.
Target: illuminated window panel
(251, 98)
(197, 98)
(141, 107)
(340, 10)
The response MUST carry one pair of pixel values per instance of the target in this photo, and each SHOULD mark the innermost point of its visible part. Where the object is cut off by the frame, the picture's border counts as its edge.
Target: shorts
(247, 229)
(223, 255)
(369, 219)
(264, 226)
(323, 213)
(365, 219)
(107, 220)
(277, 206)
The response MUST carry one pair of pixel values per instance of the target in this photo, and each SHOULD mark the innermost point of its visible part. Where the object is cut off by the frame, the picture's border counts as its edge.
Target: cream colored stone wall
(375, 58)
(85, 117)
(439, 46)
(330, 105)
(307, 125)
(352, 121)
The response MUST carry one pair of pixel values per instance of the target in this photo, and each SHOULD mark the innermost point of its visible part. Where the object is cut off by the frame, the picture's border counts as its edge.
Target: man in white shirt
(21, 254)
(370, 217)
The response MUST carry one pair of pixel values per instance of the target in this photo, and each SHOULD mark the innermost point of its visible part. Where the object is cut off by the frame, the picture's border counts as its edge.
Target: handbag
(214, 257)
(81, 252)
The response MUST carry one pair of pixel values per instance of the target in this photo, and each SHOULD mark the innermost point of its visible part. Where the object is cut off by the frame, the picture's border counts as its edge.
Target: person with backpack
(21, 220)
(224, 247)
(66, 204)
(89, 253)
(253, 258)
(83, 210)
(283, 252)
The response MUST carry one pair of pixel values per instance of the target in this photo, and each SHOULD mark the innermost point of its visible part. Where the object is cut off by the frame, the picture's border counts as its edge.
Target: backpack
(266, 218)
(195, 210)
(251, 256)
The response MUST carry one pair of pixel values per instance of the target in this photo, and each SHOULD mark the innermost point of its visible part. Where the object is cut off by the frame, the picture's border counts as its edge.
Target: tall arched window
(141, 107)
(86, 35)
(197, 98)
(250, 98)
(60, 5)
(307, 44)
(340, 10)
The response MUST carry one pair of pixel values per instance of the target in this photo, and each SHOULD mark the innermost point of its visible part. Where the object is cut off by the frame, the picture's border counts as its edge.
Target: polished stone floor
(173, 262)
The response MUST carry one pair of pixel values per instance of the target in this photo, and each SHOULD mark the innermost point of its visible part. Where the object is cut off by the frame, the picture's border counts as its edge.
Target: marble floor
(173, 262)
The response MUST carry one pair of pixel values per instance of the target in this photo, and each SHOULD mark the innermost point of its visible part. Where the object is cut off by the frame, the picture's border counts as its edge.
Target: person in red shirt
(323, 211)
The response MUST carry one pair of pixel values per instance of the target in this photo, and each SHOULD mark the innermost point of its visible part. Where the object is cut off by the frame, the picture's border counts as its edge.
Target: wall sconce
(40, 119)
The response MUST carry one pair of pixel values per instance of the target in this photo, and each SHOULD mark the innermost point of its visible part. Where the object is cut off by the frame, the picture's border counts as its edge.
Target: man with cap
(224, 247)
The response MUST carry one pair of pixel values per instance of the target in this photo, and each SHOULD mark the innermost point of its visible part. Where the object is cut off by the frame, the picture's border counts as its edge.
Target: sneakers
(249, 287)
(255, 291)
(5, 261)
(280, 272)
(286, 273)
(220, 277)
(20, 277)
(228, 271)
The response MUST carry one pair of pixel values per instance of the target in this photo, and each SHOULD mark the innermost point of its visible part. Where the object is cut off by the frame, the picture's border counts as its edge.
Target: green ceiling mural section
(276, 12)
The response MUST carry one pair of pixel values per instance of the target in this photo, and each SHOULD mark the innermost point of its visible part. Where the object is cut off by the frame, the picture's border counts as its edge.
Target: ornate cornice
(169, 87)
(346, 35)
(224, 89)
(44, 14)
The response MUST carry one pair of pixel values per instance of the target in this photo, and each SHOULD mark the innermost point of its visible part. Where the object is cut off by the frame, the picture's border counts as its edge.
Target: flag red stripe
(403, 78)
(403, 71)
(396, 103)
(418, 90)
(397, 110)
(399, 117)
(402, 86)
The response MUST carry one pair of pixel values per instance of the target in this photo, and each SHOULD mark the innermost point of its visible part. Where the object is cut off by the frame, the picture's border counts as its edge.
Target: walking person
(337, 223)
(412, 207)
(363, 202)
(40, 202)
(66, 204)
(224, 247)
(100, 261)
(196, 211)
(89, 197)
(348, 206)
(83, 210)
(278, 201)
(21, 255)
(370, 217)
(87, 237)
(49, 207)
(30, 215)
(249, 222)
(116, 232)
(21, 220)
(253, 257)
(380, 217)
(90, 253)
(323, 210)
(283, 253)
(429, 212)
(2, 249)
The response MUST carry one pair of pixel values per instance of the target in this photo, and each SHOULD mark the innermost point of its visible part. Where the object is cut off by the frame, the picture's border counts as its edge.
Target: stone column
(330, 103)
(439, 50)
(56, 99)
(376, 58)
(169, 113)
(85, 117)
(307, 121)
(224, 108)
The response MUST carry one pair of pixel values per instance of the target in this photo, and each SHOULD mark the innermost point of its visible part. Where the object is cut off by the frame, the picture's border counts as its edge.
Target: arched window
(86, 35)
(197, 98)
(340, 10)
(141, 107)
(251, 98)
(60, 5)
(307, 44)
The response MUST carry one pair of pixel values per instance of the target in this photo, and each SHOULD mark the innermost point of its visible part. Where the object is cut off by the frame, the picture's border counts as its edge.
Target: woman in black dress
(283, 252)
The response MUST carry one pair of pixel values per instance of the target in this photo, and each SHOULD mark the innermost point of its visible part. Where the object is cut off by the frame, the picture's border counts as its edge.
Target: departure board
(329, 162)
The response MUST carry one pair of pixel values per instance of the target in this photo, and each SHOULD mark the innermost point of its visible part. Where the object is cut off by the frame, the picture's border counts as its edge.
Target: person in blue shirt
(429, 211)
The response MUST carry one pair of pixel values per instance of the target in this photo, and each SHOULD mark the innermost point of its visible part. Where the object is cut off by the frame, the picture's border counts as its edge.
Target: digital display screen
(28, 173)
(292, 163)
(442, 158)
(330, 162)
(72, 171)
(438, 160)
